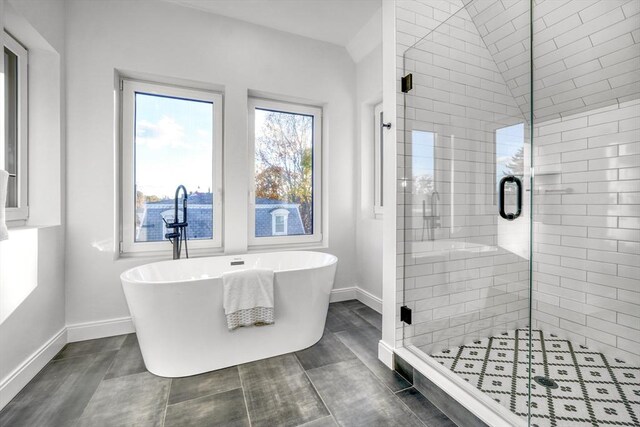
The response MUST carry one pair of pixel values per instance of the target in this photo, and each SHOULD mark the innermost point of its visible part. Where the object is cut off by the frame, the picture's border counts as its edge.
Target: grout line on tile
(401, 390)
(409, 409)
(166, 404)
(244, 396)
(315, 389)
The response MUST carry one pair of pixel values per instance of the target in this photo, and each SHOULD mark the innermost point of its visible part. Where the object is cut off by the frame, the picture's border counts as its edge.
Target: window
(424, 190)
(171, 136)
(285, 206)
(13, 156)
(279, 221)
(423, 165)
(378, 165)
(509, 156)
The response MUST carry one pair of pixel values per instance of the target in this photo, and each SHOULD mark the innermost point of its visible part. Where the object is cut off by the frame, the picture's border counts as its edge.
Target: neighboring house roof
(199, 212)
(264, 217)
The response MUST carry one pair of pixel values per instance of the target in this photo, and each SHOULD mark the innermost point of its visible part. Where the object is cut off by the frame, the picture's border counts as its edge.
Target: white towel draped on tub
(248, 297)
(4, 178)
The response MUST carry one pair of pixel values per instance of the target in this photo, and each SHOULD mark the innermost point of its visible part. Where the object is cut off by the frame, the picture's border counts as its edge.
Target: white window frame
(129, 88)
(293, 108)
(20, 213)
(378, 161)
(279, 213)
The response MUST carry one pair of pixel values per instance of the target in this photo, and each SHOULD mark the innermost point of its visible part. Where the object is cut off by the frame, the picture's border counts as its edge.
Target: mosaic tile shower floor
(591, 388)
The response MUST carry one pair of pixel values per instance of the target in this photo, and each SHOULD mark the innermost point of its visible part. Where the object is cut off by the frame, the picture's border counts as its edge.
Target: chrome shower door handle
(503, 182)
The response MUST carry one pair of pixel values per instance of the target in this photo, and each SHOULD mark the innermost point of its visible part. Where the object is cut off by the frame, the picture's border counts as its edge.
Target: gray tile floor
(338, 381)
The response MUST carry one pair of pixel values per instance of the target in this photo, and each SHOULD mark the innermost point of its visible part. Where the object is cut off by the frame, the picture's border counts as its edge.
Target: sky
(508, 141)
(173, 145)
(422, 153)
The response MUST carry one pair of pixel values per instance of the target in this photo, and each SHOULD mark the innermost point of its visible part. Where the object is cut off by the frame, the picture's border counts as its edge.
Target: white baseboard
(11, 385)
(385, 354)
(369, 299)
(99, 329)
(354, 292)
(343, 294)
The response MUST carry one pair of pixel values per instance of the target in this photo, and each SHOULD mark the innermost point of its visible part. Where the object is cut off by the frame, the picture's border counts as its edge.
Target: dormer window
(279, 220)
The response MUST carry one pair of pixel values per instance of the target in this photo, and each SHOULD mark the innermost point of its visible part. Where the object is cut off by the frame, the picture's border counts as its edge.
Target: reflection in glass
(11, 126)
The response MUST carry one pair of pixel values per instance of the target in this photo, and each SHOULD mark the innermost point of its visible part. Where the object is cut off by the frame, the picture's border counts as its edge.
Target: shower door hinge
(407, 83)
(405, 314)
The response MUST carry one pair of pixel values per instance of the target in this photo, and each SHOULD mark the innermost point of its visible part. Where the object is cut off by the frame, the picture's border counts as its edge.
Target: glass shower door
(465, 210)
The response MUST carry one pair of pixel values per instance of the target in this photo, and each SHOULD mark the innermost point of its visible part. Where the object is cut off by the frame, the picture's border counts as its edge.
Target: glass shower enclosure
(519, 206)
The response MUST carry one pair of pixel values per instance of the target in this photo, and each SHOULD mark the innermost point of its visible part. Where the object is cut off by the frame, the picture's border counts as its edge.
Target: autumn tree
(269, 182)
(284, 161)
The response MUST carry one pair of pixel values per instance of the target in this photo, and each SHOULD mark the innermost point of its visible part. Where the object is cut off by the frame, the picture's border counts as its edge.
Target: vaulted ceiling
(586, 52)
(333, 21)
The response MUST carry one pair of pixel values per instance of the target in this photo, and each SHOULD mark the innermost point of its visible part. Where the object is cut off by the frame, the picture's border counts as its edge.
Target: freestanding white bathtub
(177, 310)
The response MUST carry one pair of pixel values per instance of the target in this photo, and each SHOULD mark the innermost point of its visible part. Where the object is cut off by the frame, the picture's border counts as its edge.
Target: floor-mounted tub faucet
(179, 233)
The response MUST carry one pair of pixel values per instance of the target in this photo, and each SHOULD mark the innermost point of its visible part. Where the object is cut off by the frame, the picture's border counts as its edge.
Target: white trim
(386, 354)
(343, 294)
(21, 212)
(99, 329)
(279, 205)
(389, 226)
(378, 160)
(369, 299)
(355, 292)
(11, 385)
(318, 172)
(127, 213)
(479, 404)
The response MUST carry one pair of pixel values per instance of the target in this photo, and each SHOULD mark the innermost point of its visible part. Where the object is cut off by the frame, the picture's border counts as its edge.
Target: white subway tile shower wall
(463, 285)
(414, 19)
(586, 231)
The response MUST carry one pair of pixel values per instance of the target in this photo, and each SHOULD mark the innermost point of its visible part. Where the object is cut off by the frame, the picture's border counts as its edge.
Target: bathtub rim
(332, 259)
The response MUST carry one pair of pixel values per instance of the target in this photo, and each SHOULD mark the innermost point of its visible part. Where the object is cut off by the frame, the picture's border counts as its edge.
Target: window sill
(22, 225)
(168, 254)
(287, 247)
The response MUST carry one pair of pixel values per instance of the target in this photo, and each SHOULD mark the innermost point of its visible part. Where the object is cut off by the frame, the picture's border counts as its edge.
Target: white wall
(368, 227)
(176, 42)
(37, 312)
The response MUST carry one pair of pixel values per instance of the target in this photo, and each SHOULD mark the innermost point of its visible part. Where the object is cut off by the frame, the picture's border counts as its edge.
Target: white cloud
(165, 133)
